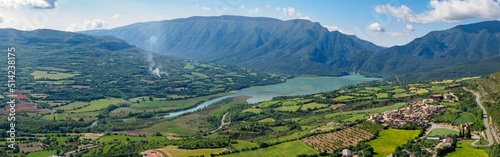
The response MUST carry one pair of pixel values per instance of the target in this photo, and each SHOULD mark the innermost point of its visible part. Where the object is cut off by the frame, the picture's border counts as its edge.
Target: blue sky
(383, 22)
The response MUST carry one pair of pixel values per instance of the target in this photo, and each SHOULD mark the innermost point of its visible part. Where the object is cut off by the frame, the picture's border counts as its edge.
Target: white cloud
(445, 11)
(37, 4)
(397, 34)
(376, 27)
(205, 8)
(409, 27)
(116, 16)
(268, 6)
(243, 7)
(291, 11)
(87, 25)
(335, 28)
(305, 18)
(278, 8)
(256, 10)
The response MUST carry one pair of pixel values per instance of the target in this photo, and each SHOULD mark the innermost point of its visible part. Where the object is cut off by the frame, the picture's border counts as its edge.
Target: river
(296, 86)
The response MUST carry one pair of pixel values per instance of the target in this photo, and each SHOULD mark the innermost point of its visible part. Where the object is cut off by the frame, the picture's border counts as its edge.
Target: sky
(383, 22)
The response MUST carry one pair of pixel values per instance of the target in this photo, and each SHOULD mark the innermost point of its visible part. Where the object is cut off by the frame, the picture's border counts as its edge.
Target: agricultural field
(312, 106)
(287, 108)
(42, 153)
(388, 140)
(399, 95)
(52, 75)
(173, 151)
(465, 118)
(351, 116)
(100, 104)
(442, 132)
(382, 95)
(254, 110)
(123, 139)
(244, 145)
(351, 136)
(283, 149)
(464, 149)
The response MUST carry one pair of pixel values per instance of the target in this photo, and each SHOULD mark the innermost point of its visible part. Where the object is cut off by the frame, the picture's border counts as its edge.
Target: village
(417, 113)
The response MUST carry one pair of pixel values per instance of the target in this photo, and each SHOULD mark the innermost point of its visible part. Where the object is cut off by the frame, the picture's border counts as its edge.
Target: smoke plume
(152, 42)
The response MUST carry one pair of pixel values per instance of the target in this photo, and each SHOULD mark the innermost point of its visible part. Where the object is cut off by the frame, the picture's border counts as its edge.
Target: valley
(244, 86)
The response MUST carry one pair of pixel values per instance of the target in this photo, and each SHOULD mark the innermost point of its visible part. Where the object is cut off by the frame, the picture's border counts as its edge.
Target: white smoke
(157, 72)
(152, 42)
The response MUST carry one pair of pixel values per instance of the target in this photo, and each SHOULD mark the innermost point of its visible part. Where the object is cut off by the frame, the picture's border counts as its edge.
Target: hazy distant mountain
(471, 49)
(271, 45)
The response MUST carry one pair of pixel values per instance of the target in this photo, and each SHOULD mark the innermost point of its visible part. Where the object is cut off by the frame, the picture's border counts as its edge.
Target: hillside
(56, 65)
(489, 88)
(266, 44)
(472, 49)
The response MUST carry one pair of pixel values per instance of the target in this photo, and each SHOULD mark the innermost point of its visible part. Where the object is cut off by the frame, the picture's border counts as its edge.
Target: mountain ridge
(267, 44)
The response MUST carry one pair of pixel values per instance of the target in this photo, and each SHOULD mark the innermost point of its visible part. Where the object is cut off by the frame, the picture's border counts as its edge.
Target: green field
(244, 144)
(287, 108)
(399, 90)
(174, 151)
(373, 88)
(399, 95)
(122, 138)
(42, 153)
(100, 104)
(437, 88)
(312, 106)
(287, 149)
(289, 103)
(267, 104)
(382, 95)
(465, 118)
(464, 149)
(254, 110)
(60, 82)
(442, 132)
(59, 116)
(342, 98)
(388, 140)
(51, 75)
(189, 66)
(360, 114)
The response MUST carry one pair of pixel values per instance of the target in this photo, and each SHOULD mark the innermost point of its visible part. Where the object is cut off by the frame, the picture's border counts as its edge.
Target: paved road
(485, 119)
(435, 126)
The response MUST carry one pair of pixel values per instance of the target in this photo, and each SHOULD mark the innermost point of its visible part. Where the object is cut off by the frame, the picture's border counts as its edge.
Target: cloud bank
(36, 4)
(445, 11)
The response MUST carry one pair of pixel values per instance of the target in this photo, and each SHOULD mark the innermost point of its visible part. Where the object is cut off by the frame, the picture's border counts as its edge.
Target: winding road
(485, 119)
(222, 122)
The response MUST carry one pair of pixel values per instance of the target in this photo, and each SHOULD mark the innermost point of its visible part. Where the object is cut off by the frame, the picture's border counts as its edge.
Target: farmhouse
(346, 153)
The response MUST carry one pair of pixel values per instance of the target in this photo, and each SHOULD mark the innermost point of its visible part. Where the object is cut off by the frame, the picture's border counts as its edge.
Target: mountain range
(305, 47)
(266, 44)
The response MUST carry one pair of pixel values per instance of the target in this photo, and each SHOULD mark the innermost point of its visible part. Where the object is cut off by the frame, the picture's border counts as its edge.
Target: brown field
(92, 136)
(55, 103)
(79, 86)
(336, 106)
(36, 146)
(25, 107)
(343, 138)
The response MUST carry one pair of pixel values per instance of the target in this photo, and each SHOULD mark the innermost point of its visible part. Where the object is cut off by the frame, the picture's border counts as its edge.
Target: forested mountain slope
(74, 66)
(266, 44)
